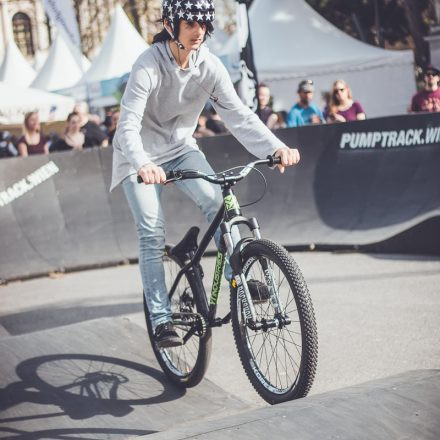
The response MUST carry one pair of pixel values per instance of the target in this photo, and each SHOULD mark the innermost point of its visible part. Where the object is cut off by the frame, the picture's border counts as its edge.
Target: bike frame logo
(216, 283)
(231, 203)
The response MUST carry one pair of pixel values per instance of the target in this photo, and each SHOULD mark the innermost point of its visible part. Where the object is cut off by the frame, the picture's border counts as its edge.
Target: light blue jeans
(144, 202)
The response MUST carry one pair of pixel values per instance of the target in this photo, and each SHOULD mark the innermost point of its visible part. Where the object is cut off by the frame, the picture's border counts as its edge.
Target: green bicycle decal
(231, 203)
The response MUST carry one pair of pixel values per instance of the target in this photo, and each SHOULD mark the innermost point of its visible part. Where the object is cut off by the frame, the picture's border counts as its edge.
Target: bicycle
(276, 337)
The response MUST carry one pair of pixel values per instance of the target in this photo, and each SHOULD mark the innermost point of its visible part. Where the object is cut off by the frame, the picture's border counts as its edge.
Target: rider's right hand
(151, 173)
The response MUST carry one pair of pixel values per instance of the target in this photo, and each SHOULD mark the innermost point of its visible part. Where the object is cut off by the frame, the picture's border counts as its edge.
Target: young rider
(165, 94)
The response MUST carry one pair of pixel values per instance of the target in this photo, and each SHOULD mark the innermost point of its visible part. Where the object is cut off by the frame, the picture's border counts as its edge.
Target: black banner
(248, 84)
(56, 212)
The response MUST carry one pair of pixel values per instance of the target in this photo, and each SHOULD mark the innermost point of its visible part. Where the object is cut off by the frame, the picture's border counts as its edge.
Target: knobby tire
(291, 353)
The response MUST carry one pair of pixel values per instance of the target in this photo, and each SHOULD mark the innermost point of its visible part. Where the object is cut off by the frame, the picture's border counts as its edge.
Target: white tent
(216, 43)
(62, 68)
(120, 49)
(39, 60)
(292, 42)
(15, 69)
(16, 101)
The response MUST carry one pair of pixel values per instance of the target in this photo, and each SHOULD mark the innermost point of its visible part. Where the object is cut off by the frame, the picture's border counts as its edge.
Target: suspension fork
(272, 284)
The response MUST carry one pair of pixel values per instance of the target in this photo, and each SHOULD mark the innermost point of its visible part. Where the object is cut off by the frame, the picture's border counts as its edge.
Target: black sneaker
(259, 291)
(166, 337)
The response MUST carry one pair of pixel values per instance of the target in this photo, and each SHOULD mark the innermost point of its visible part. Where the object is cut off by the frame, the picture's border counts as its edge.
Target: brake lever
(173, 179)
(173, 176)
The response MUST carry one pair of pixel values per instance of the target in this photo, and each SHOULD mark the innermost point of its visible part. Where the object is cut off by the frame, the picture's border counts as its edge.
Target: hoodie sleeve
(133, 105)
(241, 121)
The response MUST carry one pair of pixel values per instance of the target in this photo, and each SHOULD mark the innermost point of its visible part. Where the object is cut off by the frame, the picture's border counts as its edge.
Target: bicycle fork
(244, 295)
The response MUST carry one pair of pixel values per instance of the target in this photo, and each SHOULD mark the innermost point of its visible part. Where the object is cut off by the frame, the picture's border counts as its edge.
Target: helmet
(190, 10)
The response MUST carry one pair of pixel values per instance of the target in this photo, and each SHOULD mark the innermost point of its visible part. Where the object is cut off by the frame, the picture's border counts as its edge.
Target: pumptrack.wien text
(411, 137)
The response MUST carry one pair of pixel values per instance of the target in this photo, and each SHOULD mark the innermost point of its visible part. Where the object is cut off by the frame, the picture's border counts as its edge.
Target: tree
(395, 24)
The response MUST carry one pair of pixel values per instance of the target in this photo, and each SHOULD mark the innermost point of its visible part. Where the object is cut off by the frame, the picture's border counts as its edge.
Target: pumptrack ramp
(406, 406)
(97, 379)
(370, 185)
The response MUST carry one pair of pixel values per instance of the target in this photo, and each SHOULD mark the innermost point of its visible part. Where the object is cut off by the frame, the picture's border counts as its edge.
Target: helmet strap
(174, 37)
(180, 45)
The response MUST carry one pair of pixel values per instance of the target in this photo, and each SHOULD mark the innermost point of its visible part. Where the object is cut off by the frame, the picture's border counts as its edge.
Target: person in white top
(165, 94)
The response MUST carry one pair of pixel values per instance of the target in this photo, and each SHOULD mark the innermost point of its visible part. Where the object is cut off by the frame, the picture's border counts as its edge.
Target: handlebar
(220, 178)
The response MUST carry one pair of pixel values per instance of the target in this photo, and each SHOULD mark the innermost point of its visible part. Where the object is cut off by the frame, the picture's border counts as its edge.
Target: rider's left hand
(289, 157)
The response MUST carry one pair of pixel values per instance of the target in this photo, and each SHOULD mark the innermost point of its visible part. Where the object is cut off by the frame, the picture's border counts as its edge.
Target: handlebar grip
(169, 176)
(273, 160)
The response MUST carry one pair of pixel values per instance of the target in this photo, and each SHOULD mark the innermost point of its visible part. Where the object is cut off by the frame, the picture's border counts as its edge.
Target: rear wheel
(280, 362)
(184, 365)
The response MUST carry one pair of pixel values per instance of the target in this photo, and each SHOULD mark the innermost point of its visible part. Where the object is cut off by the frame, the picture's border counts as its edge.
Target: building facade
(33, 33)
(26, 21)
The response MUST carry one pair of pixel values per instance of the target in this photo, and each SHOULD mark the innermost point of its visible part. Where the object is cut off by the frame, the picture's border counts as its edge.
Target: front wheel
(280, 361)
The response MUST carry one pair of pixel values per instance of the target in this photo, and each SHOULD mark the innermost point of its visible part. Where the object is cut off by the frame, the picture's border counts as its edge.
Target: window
(21, 25)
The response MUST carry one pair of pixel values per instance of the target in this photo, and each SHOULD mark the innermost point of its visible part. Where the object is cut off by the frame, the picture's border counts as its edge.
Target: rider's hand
(289, 157)
(151, 173)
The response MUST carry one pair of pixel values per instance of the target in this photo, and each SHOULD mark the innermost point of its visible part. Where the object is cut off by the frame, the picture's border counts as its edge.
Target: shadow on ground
(72, 434)
(84, 386)
(52, 317)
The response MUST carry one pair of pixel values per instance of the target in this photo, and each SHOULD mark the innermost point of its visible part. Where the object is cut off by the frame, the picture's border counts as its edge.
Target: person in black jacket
(73, 138)
(94, 136)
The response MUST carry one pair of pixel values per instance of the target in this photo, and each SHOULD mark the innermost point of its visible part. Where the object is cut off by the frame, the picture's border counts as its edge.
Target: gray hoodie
(161, 106)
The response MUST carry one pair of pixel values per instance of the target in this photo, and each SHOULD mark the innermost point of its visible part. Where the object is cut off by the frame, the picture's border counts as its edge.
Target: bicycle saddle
(187, 245)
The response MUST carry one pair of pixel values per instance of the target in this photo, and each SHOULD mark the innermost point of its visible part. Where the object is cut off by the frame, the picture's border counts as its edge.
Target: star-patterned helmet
(190, 10)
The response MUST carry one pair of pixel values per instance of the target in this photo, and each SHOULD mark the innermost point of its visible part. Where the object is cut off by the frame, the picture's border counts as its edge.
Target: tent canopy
(62, 68)
(216, 43)
(291, 42)
(15, 69)
(291, 34)
(40, 58)
(16, 101)
(120, 49)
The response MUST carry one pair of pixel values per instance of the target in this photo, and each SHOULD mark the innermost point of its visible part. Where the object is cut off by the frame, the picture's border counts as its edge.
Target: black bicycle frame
(228, 215)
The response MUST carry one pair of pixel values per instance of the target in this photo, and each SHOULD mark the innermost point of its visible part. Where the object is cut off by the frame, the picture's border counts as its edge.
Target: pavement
(68, 338)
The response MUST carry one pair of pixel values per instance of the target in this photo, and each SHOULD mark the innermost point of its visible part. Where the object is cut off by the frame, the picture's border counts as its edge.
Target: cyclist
(165, 94)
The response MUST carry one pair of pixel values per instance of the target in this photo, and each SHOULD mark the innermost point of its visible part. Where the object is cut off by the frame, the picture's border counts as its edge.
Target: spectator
(428, 99)
(32, 141)
(215, 123)
(73, 138)
(108, 119)
(114, 118)
(201, 130)
(97, 120)
(94, 136)
(281, 119)
(341, 107)
(7, 147)
(305, 112)
(265, 112)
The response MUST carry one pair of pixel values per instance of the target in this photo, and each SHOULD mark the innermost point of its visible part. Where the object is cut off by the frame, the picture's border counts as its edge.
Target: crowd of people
(82, 130)
(85, 130)
(340, 106)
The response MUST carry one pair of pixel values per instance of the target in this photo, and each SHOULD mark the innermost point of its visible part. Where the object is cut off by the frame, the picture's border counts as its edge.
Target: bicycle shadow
(72, 434)
(85, 385)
